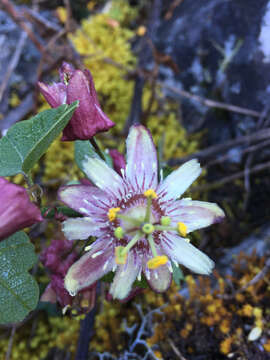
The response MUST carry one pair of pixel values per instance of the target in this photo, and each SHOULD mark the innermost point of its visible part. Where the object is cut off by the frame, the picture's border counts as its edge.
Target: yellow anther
(120, 255)
(148, 228)
(182, 228)
(119, 232)
(157, 261)
(112, 213)
(150, 193)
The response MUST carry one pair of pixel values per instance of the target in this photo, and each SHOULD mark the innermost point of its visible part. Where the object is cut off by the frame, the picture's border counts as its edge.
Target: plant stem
(96, 147)
(86, 332)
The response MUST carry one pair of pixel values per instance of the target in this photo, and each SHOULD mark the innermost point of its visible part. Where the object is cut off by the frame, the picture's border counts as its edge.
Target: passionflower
(16, 209)
(140, 226)
(88, 119)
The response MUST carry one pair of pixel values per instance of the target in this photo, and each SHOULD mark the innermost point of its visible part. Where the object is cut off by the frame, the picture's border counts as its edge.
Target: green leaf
(141, 283)
(49, 212)
(108, 159)
(50, 308)
(178, 275)
(26, 141)
(19, 291)
(166, 170)
(83, 148)
(108, 278)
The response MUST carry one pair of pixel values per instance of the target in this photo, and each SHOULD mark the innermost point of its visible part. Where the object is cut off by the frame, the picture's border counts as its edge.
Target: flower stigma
(148, 228)
(119, 232)
(165, 221)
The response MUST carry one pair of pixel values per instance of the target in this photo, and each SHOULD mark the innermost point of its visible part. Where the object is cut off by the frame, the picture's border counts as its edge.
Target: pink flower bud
(62, 295)
(59, 256)
(49, 295)
(88, 119)
(118, 160)
(16, 209)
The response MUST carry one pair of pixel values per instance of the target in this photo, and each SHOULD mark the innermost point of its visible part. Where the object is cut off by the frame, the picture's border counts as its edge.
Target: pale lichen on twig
(137, 347)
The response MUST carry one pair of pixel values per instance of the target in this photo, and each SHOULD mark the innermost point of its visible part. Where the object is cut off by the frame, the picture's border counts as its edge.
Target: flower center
(139, 222)
(148, 228)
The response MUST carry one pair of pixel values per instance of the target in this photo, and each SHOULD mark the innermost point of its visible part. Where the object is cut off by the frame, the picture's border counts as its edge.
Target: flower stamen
(152, 245)
(112, 213)
(157, 261)
(149, 194)
(182, 229)
(132, 242)
(120, 256)
(165, 228)
(121, 251)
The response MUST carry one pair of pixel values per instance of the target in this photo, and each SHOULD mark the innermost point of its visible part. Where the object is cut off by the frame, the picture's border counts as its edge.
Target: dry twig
(19, 20)
(256, 278)
(230, 178)
(252, 282)
(175, 350)
(248, 150)
(215, 149)
(13, 63)
(211, 103)
(10, 343)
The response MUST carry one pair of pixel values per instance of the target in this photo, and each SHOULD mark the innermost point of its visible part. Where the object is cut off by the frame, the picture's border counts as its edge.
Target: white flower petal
(90, 267)
(195, 214)
(179, 180)
(80, 228)
(85, 199)
(186, 254)
(141, 169)
(124, 277)
(103, 176)
(158, 279)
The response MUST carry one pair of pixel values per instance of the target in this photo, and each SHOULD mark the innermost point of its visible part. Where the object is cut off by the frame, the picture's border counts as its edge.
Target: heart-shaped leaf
(26, 141)
(19, 291)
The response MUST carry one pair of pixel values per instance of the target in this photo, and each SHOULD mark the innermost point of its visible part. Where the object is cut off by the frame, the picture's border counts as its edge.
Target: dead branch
(215, 149)
(252, 282)
(13, 63)
(175, 350)
(228, 179)
(248, 150)
(211, 103)
(21, 22)
(10, 343)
